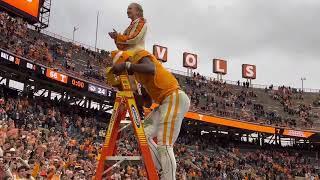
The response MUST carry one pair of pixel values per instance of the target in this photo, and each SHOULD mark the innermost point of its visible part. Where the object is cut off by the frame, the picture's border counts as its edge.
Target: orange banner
(29, 6)
(230, 123)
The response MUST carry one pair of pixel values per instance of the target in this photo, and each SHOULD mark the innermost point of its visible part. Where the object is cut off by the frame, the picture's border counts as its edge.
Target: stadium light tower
(302, 79)
(74, 30)
(97, 26)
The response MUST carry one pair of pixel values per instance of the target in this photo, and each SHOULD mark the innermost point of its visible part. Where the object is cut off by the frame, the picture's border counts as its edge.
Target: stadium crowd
(210, 96)
(218, 98)
(20, 42)
(50, 139)
(17, 38)
(281, 163)
(285, 96)
(247, 159)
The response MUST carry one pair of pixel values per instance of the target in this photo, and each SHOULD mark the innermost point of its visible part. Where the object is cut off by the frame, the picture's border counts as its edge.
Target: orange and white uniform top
(133, 38)
(161, 84)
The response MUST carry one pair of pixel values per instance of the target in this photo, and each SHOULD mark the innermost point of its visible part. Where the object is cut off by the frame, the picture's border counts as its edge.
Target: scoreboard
(25, 8)
(55, 76)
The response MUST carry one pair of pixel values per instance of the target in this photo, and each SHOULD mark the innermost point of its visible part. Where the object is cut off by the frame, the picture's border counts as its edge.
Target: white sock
(168, 162)
(153, 148)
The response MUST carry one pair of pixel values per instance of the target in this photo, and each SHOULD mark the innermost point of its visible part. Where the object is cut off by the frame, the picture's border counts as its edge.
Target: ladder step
(124, 158)
(125, 122)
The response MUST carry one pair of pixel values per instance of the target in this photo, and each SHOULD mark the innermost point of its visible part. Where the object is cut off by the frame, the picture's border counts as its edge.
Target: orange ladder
(125, 102)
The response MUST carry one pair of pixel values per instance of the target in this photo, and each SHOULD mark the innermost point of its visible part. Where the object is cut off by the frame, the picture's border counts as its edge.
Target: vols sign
(249, 71)
(30, 7)
(190, 60)
(219, 66)
(161, 53)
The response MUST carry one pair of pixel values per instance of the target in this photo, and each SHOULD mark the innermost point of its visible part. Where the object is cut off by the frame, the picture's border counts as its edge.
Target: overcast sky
(280, 37)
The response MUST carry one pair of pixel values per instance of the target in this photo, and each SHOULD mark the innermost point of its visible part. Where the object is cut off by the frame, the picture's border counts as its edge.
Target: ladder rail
(125, 102)
(111, 136)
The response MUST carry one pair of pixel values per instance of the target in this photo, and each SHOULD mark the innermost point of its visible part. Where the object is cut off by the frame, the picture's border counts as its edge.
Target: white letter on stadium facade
(161, 52)
(191, 60)
(249, 71)
(218, 67)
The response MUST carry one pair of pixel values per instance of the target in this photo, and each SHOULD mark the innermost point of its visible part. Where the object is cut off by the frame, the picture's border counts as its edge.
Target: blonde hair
(139, 8)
